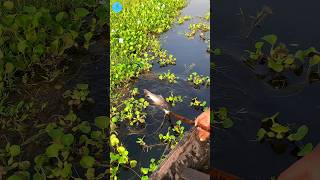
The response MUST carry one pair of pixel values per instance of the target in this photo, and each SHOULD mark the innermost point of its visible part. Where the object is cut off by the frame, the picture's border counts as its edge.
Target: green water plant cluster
(279, 59)
(173, 99)
(197, 104)
(166, 59)
(222, 117)
(182, 19)
(197, 80)
(173, 135)
(272, 129)
(171, 77)
(147, 170)
(194, 28)
(78, 95)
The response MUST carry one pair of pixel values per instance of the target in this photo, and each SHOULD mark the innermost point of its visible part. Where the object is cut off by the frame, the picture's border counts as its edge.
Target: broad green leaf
(8, 5)
(67, 139)
(310, 50)
(315, 60)
(60, 16)
(259, 45)
(275, 66)
(227, 123)
(271, 39)
(102, 122)
(271, 134)
(261, 133)
(56, 134)
(29, 9)
(114, 157)
(144, 170)
(306, 149)
(133, 163)
(144, 178)
(85, 127)
(88, 36)
(81, 12)
(278, 128)
(114, 140)
(14, 150)
(39, 49)
(53, 150)
(66, 171)
(300, 134)
(300, 55)
(87, 161)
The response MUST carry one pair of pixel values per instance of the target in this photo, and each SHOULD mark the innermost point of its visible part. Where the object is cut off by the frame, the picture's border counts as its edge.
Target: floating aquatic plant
(171, 77)
(182, 19)
(173, 99)
(198, 80)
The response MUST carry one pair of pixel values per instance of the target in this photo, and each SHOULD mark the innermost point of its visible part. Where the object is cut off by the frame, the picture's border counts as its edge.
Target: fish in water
(157, 100)
(202, 36)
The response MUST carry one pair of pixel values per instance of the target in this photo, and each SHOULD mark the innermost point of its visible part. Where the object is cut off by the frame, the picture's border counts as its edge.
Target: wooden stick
(188, 121)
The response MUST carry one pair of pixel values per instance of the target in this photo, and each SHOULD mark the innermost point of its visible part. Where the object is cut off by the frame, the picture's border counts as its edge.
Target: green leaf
(217, 52)
(114, 157)
(60, 16)
(14, 150)
(67, 139)
(81, 12)
(66, 171)
(14, 177)
(261, 133)
(271, 39)
(88, 36)
(87, 161)
(300, 55)
(259, 45)
(8, 5)
(227, 123)
(144, 178)
(102, 122)
(275, 66)
(306, 149)
(85, 127)
(133, 163)
(271, 134)
(53, 150)
(144, 170)
(29, 9)
(300, 134)
(56, 134)
(315, 60)
(310, 50)
(278, 128)
(39, 49)
(114, 140)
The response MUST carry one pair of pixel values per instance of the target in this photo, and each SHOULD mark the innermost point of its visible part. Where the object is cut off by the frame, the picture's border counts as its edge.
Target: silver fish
(157, 100)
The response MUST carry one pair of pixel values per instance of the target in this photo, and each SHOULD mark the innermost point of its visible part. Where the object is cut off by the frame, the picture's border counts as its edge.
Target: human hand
(306, 168)
(202, 123)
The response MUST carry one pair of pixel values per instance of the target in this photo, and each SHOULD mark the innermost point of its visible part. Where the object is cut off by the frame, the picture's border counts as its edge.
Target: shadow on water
(236, 86)
(186, 52)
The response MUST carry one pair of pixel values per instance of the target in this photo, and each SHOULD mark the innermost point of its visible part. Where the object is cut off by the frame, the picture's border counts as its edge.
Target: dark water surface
(186, 52)
(236, 86)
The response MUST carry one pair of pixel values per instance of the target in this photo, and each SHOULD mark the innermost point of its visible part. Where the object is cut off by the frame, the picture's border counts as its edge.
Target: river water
(236, 86)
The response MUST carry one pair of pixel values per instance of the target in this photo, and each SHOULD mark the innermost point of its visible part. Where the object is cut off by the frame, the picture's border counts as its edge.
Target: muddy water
(237, 87)
(186, 52)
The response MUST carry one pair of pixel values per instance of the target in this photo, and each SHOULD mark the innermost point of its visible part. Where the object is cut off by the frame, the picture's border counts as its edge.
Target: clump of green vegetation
(207, 16)
(182, 19)
(119, 156)
(152, 167)
(221, 116)
(198, 104)
(169, 138)
(78, 95)
(272, 129)
(171, 77)
(198, 80)
(278, 59)
(194, 28)
(165, 59)
(173, 99)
